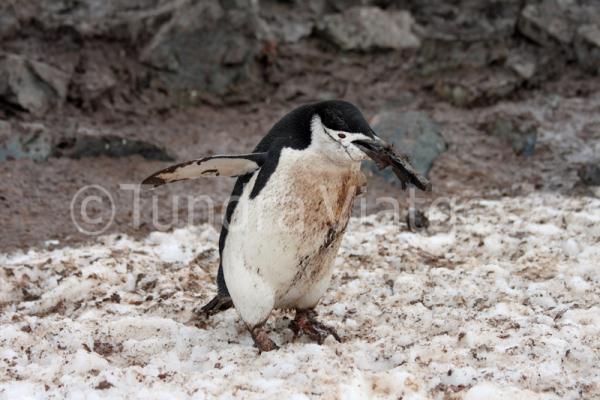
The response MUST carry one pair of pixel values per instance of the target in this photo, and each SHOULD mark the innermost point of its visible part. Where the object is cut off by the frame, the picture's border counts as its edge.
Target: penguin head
(339, 130)
(336, 126)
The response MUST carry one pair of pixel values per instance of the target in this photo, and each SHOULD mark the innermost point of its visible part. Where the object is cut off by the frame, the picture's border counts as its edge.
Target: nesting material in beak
(384, 155)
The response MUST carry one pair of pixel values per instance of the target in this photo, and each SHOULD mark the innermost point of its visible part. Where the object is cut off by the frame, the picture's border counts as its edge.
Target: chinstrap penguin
(288, 212)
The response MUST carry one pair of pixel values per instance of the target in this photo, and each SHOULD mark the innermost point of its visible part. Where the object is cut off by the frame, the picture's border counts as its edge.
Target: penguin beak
(384, 155)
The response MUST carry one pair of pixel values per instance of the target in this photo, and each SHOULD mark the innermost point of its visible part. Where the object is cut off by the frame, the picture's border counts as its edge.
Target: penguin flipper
(231, 165)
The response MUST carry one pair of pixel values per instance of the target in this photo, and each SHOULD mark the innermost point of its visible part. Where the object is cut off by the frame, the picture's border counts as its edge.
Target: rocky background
(102, 92)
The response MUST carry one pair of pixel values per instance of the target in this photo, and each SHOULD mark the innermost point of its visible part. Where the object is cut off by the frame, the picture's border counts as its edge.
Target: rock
(466, 20)
(590, 174)
(522, 63)
(587, 47)
(546, 23)
(370, 28)
(92, 80)
(463, 33)
(27, 140)
(475, 87)
(295, 31)
(437, 56)
(107, 145)
(555, 22)
(33, 141)
(519, 130)
(416, 220)
(289, 21)
(9, 24)
(284, 30)
(119, 19)
(413, 133)
(31, 85)
(342, 5)
(207, 47)
(590, 131)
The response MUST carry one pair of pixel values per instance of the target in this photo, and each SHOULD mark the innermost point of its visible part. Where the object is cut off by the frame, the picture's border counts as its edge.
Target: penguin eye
(341, 135)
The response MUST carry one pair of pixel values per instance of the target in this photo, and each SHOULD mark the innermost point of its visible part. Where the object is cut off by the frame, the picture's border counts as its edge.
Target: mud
(35, 197)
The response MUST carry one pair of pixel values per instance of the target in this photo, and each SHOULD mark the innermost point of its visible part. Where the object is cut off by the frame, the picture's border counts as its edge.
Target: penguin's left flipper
(234, 165)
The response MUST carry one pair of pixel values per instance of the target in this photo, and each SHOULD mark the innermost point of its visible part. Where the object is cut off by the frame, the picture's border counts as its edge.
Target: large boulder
(370, 28)
(209, 46)
(412, 133)
(31, 85)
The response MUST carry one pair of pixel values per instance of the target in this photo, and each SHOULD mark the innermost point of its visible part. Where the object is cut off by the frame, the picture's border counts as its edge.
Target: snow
(502, 304)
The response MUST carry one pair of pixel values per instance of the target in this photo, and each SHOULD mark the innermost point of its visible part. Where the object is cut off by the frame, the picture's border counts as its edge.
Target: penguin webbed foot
(262, 340)
(306, 322)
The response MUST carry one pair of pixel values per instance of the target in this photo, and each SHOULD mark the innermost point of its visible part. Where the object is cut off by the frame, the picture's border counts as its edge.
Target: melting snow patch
(505, 304)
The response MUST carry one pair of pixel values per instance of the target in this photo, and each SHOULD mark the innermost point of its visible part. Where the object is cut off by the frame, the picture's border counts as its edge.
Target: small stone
(416, 220)
(589, 174)
(24, 140)
(522, 63)
(103, 385)
(294, 32)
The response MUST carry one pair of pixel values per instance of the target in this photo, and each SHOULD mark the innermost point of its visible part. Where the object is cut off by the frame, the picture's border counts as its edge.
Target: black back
(292, 131)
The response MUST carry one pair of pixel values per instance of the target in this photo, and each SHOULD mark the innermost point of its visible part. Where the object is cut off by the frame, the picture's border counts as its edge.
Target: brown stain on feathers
(324, 198)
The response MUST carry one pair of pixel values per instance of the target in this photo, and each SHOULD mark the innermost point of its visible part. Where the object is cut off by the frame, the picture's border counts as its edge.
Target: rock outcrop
(207, 46)
(31, 85)
(370, 28)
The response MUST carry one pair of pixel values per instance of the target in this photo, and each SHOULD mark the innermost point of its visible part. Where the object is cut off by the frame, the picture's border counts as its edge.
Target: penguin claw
(306, 322)
(262, 340)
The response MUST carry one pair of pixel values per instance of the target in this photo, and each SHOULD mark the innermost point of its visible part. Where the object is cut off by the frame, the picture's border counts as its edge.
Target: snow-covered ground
(504, 305)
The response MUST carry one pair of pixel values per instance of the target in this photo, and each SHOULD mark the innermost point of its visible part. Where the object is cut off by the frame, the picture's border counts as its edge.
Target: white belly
(281, 245)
